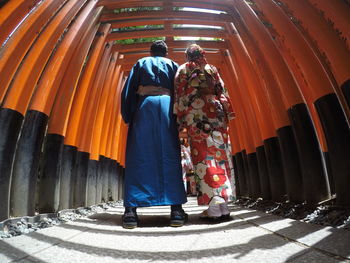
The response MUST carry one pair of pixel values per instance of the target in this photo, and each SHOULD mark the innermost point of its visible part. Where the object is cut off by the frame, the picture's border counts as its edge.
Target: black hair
(159, 48)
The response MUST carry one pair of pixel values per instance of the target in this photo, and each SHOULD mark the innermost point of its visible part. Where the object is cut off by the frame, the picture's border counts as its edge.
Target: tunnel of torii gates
(285, 63)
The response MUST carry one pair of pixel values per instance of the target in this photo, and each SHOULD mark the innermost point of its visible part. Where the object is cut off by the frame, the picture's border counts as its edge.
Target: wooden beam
(161, 21)
(166, 15)
(174, 44)
(167, 33)
(213, 5)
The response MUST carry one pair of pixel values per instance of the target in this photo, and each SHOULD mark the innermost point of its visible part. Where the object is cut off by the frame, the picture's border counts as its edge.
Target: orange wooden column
(92, 102)
(87, 127)
(249, 179)
(257, 96)
(60, 113)
(337, 12)
(57, 156)
(76, 121)
(285, 139)
(328, 42)
(243, 134)
(233, 132)
(102, 111)
(108, 166)
(11, 15)
(27, 76)
(253, 92)
(303, 129)
(116, 145)
(100, 184)
(29, 146)
(44, 97)
(312, 77)
(110, 115)
(17, 46)
(84, 85)
(329, 107)
(253, 88)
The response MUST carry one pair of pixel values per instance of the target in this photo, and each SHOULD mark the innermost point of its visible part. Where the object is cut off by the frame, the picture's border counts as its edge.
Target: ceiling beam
(164, 15)
(162, 21)
(221, 5)
(222, 45)
(167, 33)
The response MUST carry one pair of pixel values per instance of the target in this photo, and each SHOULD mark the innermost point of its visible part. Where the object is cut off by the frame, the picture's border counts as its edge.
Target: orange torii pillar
(70, 151)
(87, 127)
(12, 54)
(330, 104)
(315, 181)
(99, 130)
(243, 122)
(26, 163)
(277, 162)
(267, 91)
(116, 137)
(113, 173)
(28, 70)
(319, 89)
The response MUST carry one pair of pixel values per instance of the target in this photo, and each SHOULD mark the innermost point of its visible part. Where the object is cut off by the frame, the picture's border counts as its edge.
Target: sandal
(205, 216)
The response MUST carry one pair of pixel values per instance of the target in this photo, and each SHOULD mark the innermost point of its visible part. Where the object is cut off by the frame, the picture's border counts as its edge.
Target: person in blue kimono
(153, 175)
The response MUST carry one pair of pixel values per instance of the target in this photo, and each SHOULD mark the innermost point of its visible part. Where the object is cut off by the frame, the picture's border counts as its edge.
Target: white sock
(214, 211)
(224, 209)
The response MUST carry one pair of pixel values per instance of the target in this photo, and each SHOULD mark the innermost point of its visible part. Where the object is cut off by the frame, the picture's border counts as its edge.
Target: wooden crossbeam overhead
(166, 14)
(161, 21)
(167, 33)
(174, 44)
(222, 5)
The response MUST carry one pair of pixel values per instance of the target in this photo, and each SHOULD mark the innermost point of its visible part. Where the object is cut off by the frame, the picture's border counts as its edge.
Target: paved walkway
(252, 236)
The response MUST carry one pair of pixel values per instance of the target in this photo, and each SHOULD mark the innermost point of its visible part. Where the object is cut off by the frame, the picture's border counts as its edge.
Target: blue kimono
(153, 158)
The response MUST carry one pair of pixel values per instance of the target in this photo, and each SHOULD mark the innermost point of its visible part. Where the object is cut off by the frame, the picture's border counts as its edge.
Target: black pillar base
(263, 173)
(337, 133)
(346, 90)
(68, 176)
(26, 164)
(49, 186)
(10, 126)
(91, 183)
(291, 166)
(275, 169)
(255, 191)
(81, 170)
(315, 181)
(241, 175)
(238, 193)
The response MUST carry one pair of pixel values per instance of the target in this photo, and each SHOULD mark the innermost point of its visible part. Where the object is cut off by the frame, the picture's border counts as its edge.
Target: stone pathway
(251, 236)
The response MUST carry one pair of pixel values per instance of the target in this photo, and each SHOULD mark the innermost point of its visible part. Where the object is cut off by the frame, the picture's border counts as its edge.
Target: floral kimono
(203, 107)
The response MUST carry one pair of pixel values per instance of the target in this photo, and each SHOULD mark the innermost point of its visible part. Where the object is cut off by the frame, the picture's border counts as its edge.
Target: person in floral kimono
(203, 108)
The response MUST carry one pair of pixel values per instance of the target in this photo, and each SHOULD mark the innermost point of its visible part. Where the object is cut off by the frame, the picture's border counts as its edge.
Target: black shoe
(178, 218)
(225, 217)
(130, 220)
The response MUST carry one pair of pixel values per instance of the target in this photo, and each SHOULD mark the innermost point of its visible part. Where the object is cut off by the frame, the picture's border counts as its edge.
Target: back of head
(159, 48)
(194, 52)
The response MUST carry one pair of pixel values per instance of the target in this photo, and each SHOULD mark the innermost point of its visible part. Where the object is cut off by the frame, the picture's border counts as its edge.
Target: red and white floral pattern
(204, 109)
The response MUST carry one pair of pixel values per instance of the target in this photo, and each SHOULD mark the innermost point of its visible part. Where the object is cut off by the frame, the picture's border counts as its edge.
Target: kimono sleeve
(225, 99)
(129, 95)
(180, 96)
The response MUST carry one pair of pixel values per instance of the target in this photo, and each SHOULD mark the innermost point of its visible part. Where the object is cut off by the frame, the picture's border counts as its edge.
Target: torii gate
(286, 65)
